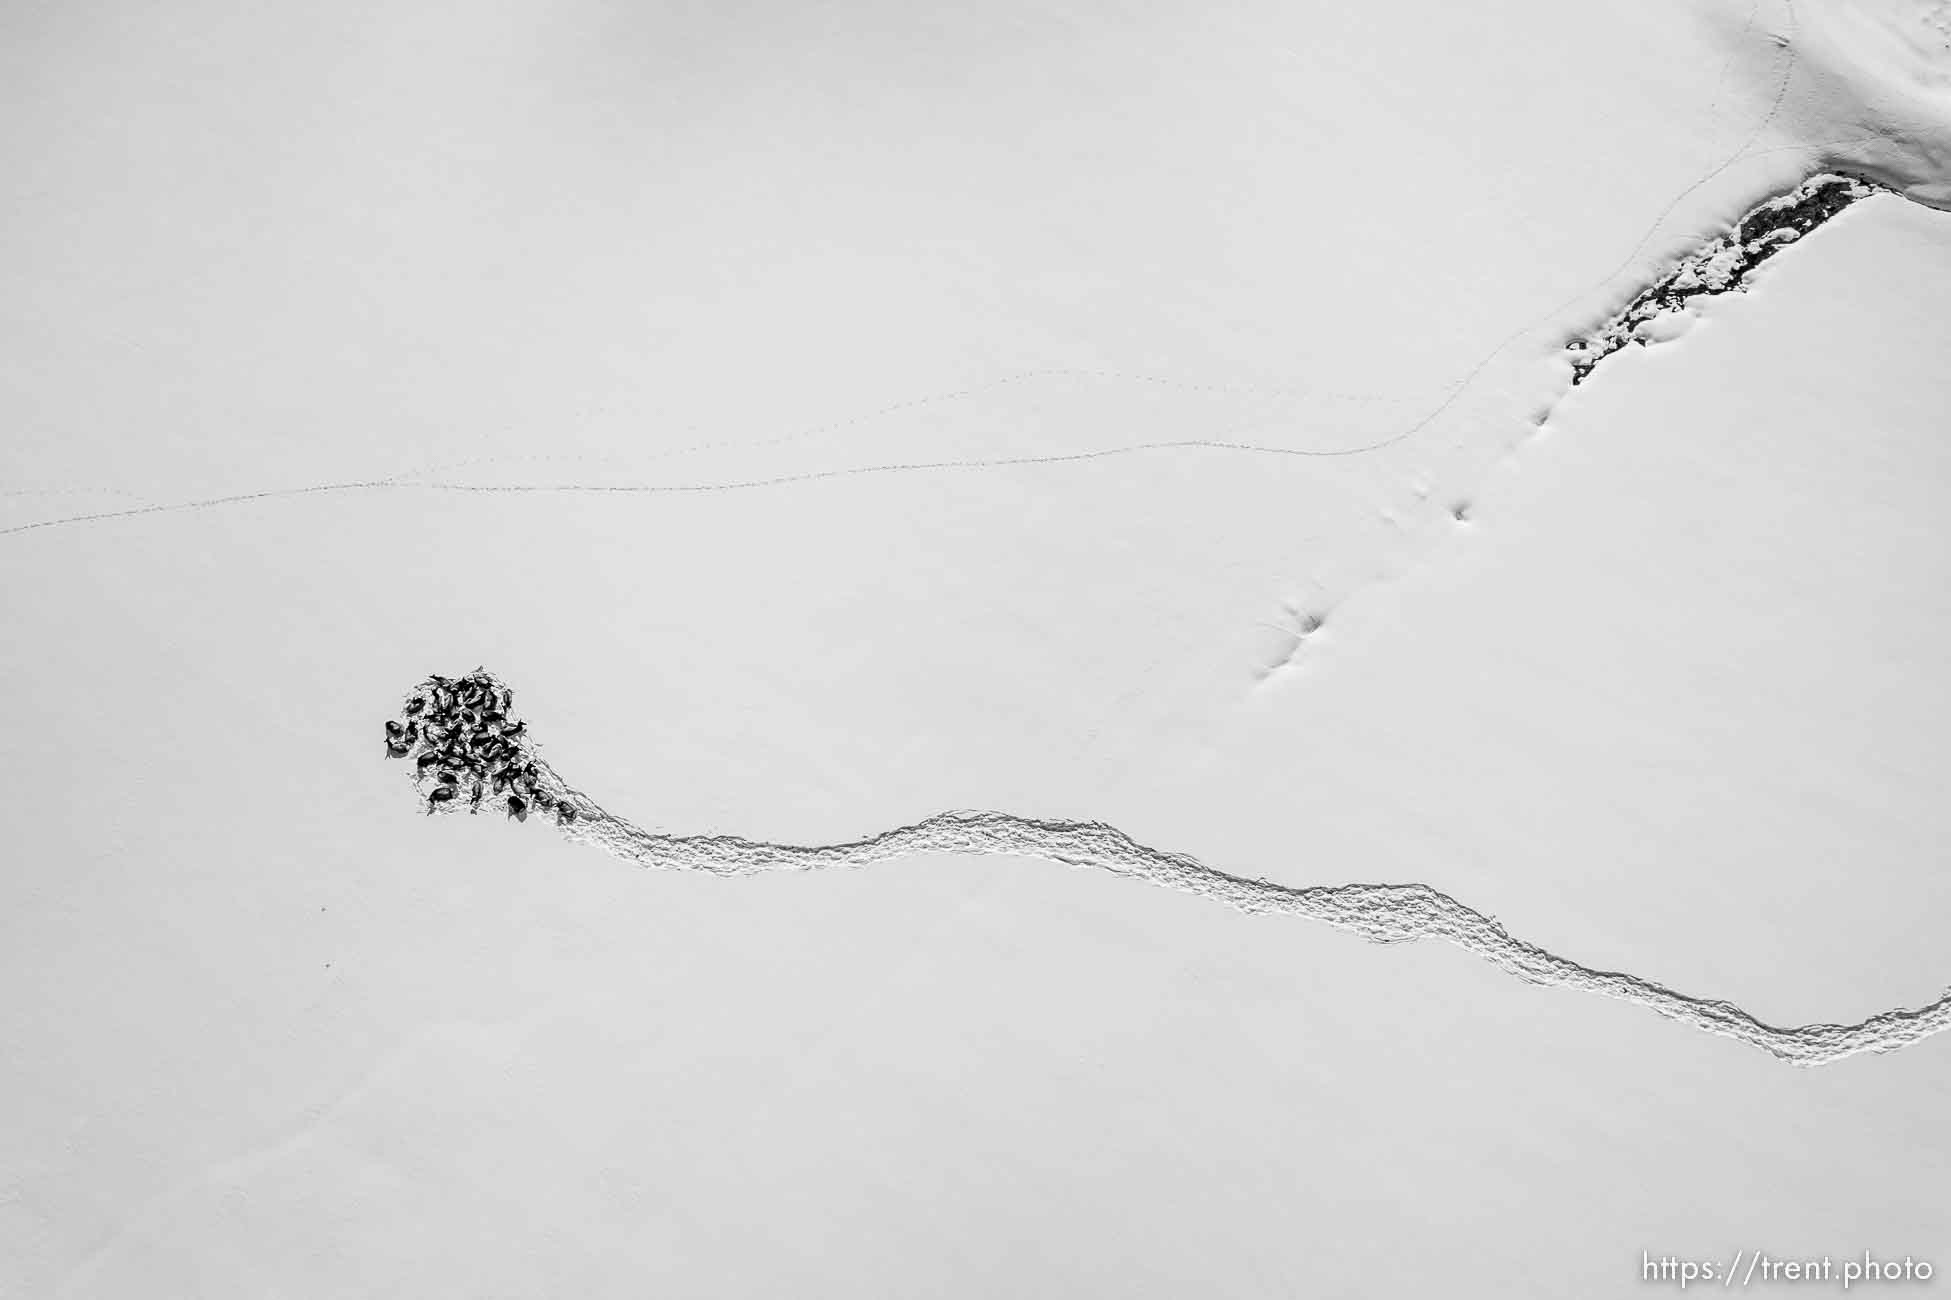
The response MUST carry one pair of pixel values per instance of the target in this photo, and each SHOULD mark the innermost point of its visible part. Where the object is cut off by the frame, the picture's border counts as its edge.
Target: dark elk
(461, 732)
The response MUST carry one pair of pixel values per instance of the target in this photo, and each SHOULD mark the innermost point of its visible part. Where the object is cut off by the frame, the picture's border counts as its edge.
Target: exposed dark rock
(1722, 265)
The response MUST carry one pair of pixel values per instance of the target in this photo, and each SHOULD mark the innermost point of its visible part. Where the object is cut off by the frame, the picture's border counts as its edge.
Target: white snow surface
(824, 416)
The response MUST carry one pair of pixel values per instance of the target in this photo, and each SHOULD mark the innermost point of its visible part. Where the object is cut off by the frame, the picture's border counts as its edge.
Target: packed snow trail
(470, 750)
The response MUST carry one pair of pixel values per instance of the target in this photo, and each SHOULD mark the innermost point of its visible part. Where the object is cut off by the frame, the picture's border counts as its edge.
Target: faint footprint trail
(468, 748)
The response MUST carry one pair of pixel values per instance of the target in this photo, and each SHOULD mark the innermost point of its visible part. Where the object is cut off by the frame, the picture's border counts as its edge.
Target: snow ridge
(1381, 913)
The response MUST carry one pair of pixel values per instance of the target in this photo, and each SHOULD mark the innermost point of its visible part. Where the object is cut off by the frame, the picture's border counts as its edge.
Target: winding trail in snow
(1381, 913)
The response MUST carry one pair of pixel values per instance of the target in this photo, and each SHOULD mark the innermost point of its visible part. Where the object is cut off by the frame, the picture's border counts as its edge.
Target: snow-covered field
(824, 417)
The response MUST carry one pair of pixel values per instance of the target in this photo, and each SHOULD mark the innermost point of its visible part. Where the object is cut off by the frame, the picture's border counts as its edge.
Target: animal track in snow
(475, 723)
